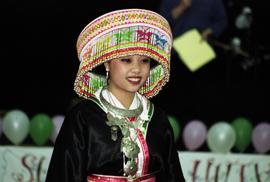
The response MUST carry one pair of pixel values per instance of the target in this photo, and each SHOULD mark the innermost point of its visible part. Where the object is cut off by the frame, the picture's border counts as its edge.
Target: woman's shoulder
(159, 121)
(85, 106)
(159, 114)
(158, 110)
(85, 112)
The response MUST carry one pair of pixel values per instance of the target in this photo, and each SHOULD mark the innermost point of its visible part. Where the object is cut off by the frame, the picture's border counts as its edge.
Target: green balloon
(41, 128)
(243, 130)
(175, 126)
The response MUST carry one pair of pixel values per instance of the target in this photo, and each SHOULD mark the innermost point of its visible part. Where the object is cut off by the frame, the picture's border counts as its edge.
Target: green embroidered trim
(145, 125)
(95, 100)
(126, 45)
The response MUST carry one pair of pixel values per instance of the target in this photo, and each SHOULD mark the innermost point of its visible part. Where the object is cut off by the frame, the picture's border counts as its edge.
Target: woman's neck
(125, 98)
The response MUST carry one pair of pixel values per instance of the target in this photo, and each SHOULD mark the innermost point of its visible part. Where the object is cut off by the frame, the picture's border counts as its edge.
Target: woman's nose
(136, 67)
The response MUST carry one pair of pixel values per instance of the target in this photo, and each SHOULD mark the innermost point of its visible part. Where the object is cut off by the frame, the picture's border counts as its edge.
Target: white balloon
(221, 137)
(243, 21)
(1, 126)
(16, 126)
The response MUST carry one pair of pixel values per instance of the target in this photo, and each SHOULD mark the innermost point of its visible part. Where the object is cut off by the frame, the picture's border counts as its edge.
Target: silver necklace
(129, 147)
(119, 111)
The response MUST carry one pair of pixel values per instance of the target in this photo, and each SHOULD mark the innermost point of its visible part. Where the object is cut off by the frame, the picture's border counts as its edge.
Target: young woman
(116, 134)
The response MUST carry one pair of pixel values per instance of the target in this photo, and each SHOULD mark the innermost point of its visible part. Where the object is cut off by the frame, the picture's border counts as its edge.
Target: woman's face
(128, 74)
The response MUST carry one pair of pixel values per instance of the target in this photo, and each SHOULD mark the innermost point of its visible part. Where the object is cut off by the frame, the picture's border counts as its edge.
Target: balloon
(221, 137)
(261, 137)
(1, 126)
(16, 126)
(243, 130)
(194, 134)
(41, 128)
(175, 126)
(57, 123)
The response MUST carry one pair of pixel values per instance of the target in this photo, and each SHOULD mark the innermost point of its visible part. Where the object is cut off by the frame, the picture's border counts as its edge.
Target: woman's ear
(106, 66)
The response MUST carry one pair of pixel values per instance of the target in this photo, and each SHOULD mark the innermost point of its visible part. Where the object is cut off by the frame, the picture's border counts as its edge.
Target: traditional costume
(102, 141)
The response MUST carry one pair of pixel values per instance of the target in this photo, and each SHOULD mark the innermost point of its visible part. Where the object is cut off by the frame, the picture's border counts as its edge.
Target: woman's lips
(134, 80)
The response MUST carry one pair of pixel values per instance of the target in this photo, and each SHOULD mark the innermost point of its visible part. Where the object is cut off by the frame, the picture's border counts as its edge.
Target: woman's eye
(146, 60)
(126, 60)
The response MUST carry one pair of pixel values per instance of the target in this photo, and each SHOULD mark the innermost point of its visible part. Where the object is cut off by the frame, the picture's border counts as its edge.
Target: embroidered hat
(123, 33)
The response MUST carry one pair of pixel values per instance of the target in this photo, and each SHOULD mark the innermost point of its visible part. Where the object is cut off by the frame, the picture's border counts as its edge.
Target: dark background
(39, 63)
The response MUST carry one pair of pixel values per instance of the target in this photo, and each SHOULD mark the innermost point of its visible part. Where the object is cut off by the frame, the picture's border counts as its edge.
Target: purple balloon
(194, 134)
(57, 122)
(261, 137)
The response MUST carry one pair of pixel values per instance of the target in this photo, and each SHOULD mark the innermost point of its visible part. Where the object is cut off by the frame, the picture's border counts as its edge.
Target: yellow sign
(193, 51)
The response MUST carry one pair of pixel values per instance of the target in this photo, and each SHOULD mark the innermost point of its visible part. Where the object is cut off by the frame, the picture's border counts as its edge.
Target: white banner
(24, 164)
(211, 167)
(29, 164)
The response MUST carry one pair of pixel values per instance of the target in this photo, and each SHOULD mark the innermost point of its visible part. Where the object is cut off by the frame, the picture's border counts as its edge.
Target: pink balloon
(194, 134)
(261, 137)
(57, 122)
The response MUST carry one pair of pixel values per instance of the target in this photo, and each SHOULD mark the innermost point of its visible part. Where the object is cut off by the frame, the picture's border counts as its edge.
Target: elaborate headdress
(123, 33)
